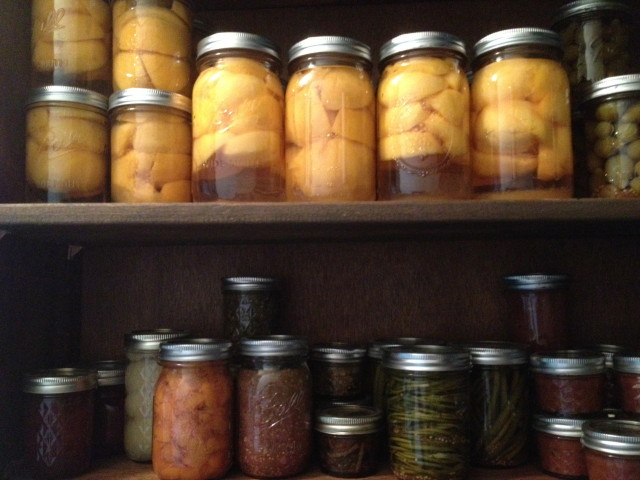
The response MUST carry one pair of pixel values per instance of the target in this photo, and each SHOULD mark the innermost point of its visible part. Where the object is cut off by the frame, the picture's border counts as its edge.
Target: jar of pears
(238, 111)
(423, 118)
(330, 121)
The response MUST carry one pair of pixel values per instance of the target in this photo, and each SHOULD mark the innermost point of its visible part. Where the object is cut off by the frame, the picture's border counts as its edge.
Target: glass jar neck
(329, 59)
(517, 51)
(217, 58)
(442, 53)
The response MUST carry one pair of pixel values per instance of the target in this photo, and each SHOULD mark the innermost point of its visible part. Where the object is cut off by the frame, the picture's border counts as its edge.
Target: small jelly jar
(349, 440)
(108, 431)
(569, 382)
(338, 370)
(559, 446)
(612, 449)
(626, 368)
(612, 391)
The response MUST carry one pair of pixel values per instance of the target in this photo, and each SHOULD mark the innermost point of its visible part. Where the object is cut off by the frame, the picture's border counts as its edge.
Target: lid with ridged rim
(349, 420)
(338, 352)
(274, 346)
(237, 40)
(562, 427)
(110, 372)
(59, 380)
(426, 358)
(590, 7)
(422, 40)
(612, 86)
(246, 284)
(626, 362)
(60, 93)
(149, 96)
(535, 281)
(567, 362)
(376, 348)
(618, 437)
(497, 353)
(195, 350)
(330, 44)
(150, 340)
(517, 36)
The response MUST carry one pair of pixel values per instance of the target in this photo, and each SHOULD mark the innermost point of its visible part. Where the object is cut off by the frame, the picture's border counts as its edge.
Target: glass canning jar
(141, 375)
(626, 368)
(427, 402)
(330, 121)
(152, 45)
(238, 120)
(274, 406)
(338, 370)
(67, 141)
(71, 44)
(58, 422)
(150, 146)
(423, 118)
(520, 117)
(559, 446)
(612, 449)
(612, 391)
(108, 431)
(192, 410)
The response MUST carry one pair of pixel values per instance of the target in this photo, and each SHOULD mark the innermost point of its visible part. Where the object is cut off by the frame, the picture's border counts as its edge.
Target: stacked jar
(612, 449)
(626, 372)
(338, 372)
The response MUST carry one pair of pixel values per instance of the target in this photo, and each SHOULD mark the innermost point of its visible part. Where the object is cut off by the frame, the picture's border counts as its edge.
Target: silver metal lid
(150, 340)
(627, 362)
(195, 350)
(497, 353)
(608, 351)
(376, 348)
(517, 36)
(237, 40)
(274, 346)
(618, 437)
(149, 96)
(250, 284)
(59, 93)
(59, 380)
(536, 281)
(562, 427)
(349, 420)
(590, 7)
(110, 372)
(422, 40)
(567, 362)
(330, 44)
(612, 87)
(426, 358)
(338, 352)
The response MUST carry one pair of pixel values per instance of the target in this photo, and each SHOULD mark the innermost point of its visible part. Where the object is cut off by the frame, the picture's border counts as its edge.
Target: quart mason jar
(521, 117)
(152, 45)
(67, 143)
(612, 449)
(150, 146)
(238, 120)
(330, 121)
(274, 407)
(192, 410)
(423, 118)
(427, 394)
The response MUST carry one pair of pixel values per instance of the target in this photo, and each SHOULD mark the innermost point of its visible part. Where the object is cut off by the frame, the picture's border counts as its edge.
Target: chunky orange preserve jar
(423, 118)
(192, 411)
(330, 121)
(521, 117)
(238, 115)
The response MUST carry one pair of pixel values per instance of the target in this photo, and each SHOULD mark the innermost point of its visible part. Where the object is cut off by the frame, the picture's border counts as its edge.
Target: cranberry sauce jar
(626, 367)
(612, 449)
(338, 370)
(559, 447)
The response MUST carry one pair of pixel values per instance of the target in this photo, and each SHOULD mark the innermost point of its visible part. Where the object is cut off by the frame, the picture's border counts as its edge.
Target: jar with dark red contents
(612, 449)
(338, 370)
(626, 367)
(274, 407)
(559, 447)
(349, 440)
(108, 431)
(569, 382)
(58, 423)
(611, 391)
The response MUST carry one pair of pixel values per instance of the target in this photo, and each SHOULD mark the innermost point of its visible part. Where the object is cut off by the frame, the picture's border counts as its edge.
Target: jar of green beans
(499, 404)
(427, 402)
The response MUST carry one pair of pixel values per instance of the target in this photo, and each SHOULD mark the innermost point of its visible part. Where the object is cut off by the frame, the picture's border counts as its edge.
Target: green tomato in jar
(619, 171)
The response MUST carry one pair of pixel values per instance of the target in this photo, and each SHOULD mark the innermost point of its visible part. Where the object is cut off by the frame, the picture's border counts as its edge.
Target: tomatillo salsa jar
(192, 410)
(423, 118)
(612, 449)
(559, 446)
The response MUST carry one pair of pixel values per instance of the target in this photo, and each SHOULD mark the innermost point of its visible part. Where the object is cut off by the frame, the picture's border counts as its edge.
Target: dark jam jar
(338, 370)
(559, 447)
(274, 409)
(626, 367)
(612, 449)
(58, 425)
(349, 440)
(612, 392)
(569, 382)
(108, 431)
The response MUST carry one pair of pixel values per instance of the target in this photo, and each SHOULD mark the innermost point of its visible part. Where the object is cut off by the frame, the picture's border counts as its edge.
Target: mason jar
(626, 372)
(192, 410)
(274, 407)
(338, 370)
(423, 118)
(238, 115)
(612, 391)
(521, 117)
(330, 121)
(67, 141)
(108, 431)
(559, 446)
(71, 44)
(612, 449)
(150, 146)
(152, 45)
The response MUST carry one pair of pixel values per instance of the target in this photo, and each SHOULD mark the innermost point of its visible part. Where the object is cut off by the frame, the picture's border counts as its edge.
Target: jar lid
(330, 44)
(497, 353)
(588, 7)
(426, 358)
(618, 437)
(568, 362)
(237, 40)
(338, 352)
(59, 380)
(349, 420)
(110, 372)
(250, 284)
(60, 93)
(612, 86)
(608, 351)
(149, 96)
(562, 427)
(422, 40)
(195, 350)
(150, 340)
(517, 36)
(274, 345)
(536, 281)
(627, 362)
(376, 348)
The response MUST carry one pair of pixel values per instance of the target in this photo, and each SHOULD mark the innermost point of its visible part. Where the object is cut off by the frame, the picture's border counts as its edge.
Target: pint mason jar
(559, 446)
(67, 143)
(152, 45)
(626, 372)
(423, 118)
(521, 117)
(330, 121)
(71, 44)
(150, 146)
(238, 115)
(612, 449)
(338, 371)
